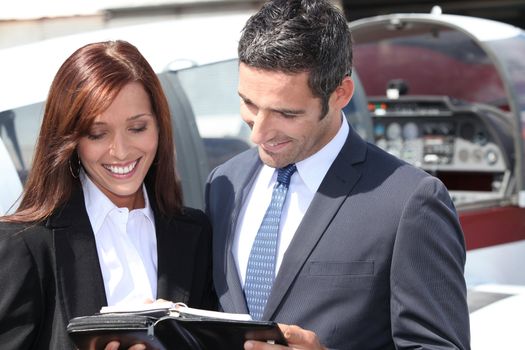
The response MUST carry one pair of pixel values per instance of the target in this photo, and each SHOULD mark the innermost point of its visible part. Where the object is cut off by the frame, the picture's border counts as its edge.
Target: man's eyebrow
(243, 97)
(279, 110)
(289, 111)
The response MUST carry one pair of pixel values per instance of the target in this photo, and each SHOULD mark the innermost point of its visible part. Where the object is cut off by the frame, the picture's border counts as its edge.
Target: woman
(101, 220)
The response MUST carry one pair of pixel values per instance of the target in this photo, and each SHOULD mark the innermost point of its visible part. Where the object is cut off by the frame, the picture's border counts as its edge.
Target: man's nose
(262, 127)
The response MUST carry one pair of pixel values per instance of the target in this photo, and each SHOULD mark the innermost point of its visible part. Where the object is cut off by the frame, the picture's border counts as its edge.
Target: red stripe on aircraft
(493, 226)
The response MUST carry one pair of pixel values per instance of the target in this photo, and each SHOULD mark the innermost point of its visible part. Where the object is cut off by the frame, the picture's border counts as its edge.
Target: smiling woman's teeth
(121, 170)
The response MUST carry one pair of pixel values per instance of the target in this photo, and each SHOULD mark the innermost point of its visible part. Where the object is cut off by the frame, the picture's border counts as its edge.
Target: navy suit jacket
(376, 263)
(50, 272)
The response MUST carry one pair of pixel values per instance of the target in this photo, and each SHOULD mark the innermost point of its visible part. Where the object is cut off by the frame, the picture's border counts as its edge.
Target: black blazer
(50, 272)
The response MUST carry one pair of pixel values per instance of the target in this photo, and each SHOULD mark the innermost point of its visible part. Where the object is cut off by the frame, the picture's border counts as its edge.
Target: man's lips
(274, 146)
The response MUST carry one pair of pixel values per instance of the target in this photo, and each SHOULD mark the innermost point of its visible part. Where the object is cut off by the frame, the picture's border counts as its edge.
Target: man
(369, 251)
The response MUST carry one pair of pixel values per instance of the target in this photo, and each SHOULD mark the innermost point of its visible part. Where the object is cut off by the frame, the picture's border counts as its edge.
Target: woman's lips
(122, 170)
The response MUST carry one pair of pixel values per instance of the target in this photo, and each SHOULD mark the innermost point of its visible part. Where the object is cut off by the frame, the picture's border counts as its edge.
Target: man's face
(284, 115)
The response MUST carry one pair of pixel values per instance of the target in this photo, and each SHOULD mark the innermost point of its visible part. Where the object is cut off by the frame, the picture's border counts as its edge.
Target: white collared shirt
(126, 246)
(303, 185)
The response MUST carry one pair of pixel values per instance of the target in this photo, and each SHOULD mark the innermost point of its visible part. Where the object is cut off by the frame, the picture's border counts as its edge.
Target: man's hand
(297, 338)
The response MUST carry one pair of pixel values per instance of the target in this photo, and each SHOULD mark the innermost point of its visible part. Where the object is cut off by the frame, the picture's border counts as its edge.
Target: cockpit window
(511, 51)
(19, 130)
(430, 59)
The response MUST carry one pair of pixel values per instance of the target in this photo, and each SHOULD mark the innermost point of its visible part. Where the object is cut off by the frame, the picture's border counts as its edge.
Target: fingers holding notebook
(114, 345)
(297, 338)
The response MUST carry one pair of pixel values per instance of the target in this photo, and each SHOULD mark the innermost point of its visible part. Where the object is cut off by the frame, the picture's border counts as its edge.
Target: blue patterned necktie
(260, 272)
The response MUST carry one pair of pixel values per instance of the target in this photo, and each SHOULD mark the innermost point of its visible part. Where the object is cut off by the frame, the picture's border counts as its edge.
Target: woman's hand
(114, 345)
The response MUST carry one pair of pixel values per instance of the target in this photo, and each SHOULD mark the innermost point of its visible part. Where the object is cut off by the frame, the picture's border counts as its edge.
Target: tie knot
(284, 174)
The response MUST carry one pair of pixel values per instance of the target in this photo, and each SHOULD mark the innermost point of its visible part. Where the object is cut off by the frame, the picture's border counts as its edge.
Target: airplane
(445, 93)
(9, 181)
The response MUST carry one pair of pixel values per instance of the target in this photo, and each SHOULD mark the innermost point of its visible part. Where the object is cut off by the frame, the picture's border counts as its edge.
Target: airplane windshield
(430, 59)
(511, 53)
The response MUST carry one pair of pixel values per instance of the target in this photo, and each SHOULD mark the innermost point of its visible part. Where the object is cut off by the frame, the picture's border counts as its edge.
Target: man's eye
(251, 107)
(288, 115)
(248, 104)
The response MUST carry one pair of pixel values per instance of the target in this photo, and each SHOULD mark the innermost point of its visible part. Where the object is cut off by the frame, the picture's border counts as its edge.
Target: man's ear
(344, 92)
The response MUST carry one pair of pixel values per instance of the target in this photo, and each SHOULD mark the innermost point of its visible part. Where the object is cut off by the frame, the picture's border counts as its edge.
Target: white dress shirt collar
(98, 205)
(313, 169)
(126, 245)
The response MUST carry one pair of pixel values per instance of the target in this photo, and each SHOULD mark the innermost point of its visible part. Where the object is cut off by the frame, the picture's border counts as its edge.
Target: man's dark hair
(296, 36)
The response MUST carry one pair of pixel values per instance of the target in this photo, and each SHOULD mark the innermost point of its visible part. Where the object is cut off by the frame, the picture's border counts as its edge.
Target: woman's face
(120, 147)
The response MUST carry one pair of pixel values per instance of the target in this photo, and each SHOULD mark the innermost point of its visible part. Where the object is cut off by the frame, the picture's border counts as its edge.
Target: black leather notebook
(159, 331)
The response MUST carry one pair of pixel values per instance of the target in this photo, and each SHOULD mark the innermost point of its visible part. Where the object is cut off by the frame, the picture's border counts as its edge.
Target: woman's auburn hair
(84, 86)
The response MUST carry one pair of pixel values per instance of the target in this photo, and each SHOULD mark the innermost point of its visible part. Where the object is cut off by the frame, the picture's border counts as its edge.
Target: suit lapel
(235, 293)
(79, 279)
(333, 191)
(174, 247)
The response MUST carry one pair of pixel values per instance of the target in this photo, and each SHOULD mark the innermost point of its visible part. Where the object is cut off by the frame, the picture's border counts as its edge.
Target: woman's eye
(94, 136)
(139, 129)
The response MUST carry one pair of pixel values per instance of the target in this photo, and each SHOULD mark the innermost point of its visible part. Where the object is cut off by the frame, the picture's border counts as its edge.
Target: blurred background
(25, 21)
(475, 77)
